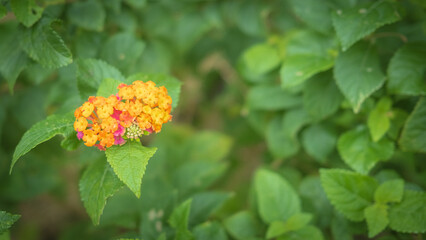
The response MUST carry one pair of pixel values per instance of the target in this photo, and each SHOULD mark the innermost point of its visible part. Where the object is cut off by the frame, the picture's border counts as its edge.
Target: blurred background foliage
(232, 119)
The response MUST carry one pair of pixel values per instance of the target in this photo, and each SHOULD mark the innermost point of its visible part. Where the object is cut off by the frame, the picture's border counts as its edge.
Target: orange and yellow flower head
(137, 109)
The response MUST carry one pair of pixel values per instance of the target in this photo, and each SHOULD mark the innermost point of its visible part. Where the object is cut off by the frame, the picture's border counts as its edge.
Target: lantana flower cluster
(137, 109)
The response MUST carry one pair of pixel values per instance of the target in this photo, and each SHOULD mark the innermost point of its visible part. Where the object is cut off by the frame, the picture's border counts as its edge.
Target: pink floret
(100, 147)
(119, 140)
(116, 114)
(120, 131)
(80, 135)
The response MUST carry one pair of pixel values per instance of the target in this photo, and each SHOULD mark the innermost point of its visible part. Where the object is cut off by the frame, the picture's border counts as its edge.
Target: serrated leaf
(379, 119)
(41, 132)
(406, 70)
(358, 74)
(355, 23)
(360, 152)
(45, 46)
(129, 162)
(210, 230)
(321, 97)
(349, 192)
(172, 84)
(294, 223)
(390, 191)
(108, 87)
(271, 97)
(276, 199)
(318, 142)
(409, 216)
(278, 141)
(89, 15)
(243, 225)
(413, 136)
(260, 59)
(122, 50)
(13, 59)
(97, 184)
(7, 220)
(26, 11)
(179, 220)
(377, 218)
(91, 73)
(314, 13)
(308, 232)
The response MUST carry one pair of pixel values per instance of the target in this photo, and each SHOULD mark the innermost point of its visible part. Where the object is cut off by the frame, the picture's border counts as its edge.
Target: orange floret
(80, 124)
(87, 109)
(89, 137)
(105, 111)
(125, 91)
(106, 139)
(109, 124)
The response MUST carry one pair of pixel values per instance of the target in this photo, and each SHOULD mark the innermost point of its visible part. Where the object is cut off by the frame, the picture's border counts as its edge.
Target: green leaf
(294, 120)
(204, 204)
(321, 97)
(294, 223)
(360, 152)
(172, 84)
(318, 142)
(97, 184)
(409, 216)
(179, 220)
(389, 191)
(208, 146)
(358, 74)
(3, 11)
(349, 192)
(261, 59)
(308, 232)
(242, 226)
(41, 132)
(129, 162)
(210, 230)
(91, 73)
(122, 50)
(7, 220)
(377, 218)
(406, 70)
(89, 15)
(352, 24)
(413, 136)
(307, 53)
(271, 97)
(45, 46)
(378, 119)
(314, 13)
(279, 143)
(276, 199)
(197, 175)
(26, 11)
(13, 59)
(108, 87)
(297, 69)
